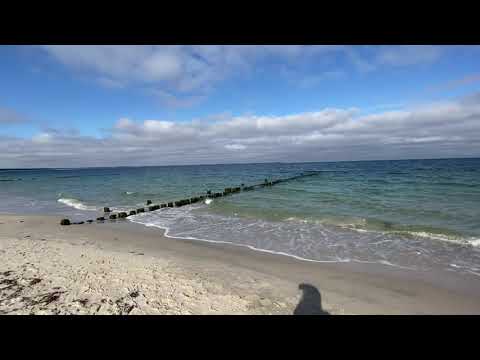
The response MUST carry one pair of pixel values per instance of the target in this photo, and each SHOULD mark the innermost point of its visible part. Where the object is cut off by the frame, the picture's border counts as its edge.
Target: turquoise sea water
(418, 214)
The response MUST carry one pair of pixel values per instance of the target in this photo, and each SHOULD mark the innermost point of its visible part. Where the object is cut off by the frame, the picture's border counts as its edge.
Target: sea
(420, 215)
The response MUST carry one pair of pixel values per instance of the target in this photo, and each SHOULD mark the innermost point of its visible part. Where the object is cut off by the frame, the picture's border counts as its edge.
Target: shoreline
(344, 288)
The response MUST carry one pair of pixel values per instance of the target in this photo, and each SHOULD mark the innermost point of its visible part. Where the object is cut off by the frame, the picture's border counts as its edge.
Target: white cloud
(361, 63)
(235, 147)
(409, 55)
(447, 129)
(161, 66)
(183, 75)
(370, 58)
(42, 138)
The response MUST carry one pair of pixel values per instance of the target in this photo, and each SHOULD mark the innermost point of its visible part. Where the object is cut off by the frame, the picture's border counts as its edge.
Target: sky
(101, 105)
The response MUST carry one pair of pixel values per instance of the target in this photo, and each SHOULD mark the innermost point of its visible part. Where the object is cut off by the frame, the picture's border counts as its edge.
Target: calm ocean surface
(417, 214)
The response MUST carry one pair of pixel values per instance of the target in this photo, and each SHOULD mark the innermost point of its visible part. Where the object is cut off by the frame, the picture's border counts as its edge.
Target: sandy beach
(125, 268)
(239, 179)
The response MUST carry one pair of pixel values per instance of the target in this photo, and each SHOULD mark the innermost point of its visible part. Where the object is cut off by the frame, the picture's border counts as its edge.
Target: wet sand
(125, 268)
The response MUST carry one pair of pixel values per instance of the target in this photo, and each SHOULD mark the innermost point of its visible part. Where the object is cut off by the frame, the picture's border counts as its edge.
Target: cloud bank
(444, 129)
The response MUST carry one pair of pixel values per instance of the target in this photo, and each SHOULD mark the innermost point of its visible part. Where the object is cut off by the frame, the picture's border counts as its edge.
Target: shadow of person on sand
(311, 301)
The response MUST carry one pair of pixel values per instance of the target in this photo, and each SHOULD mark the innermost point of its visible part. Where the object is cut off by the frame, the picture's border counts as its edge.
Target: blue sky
(141, 97)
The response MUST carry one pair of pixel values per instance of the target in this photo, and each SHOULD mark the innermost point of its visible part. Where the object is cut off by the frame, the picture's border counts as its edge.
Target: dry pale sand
(125, 268)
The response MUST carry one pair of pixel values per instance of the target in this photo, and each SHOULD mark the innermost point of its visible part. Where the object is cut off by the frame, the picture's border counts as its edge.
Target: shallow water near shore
(414, 214)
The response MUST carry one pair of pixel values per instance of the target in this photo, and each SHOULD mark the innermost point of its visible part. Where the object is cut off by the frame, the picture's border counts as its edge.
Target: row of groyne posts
(209, 195)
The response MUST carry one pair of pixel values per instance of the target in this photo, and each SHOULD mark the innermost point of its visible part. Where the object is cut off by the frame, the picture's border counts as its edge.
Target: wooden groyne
(187, 201)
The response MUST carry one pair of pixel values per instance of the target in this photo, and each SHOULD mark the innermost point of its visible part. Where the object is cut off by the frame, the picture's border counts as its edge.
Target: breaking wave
(76, 204)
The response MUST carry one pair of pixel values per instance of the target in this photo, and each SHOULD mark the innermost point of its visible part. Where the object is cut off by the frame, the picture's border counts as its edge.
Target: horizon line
(223, 164)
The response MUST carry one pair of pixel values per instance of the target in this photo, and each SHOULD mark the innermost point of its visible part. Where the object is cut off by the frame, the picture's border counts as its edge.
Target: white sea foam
(356, 225)
(473, 272)
(143, 219)
(338, 260)
(359, 225)
(287, 239)
(76, 204)
(456, 240)
(167, 230)
(208, 201)
(474, 242)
